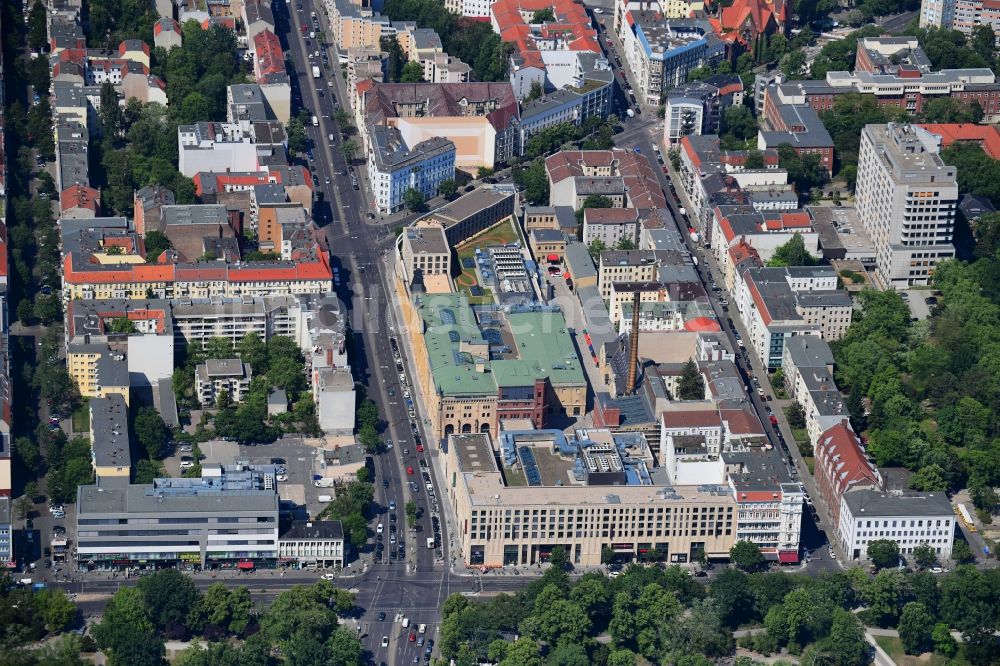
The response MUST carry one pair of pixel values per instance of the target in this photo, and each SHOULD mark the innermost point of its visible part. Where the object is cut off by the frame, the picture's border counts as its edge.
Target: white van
(326, 499)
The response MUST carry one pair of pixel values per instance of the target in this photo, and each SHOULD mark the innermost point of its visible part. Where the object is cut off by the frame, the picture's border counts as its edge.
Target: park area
(468, 281)
(894, 648)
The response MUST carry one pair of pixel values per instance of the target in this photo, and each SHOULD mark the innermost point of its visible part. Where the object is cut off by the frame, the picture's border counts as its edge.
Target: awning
(245, 565)
(553, 257)
(788, 556)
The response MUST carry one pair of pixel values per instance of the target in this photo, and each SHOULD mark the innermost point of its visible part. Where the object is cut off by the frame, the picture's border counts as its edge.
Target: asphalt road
(417, 584)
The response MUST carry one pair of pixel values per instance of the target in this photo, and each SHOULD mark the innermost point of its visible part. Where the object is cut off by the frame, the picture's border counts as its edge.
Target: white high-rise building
(937, 13)
(906, 200)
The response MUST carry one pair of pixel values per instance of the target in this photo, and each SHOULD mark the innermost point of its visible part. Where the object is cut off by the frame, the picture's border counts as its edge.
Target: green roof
(455, 346)
(544, 349)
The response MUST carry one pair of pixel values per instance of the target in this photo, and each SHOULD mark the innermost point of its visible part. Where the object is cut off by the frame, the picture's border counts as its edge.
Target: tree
(169, 595)
(535, 91)
(558, 558)
(883, 553)
(625, 244)
(915, 628)
(151, 431)
(349, 149)
(793, 63)
(412, 72)
(690, 386)
(746, 555)
(924, 555)
(796, 415)
(543, 15)
(37, 32)
(961, 552)
(414, 200)
(846, 643)
(792, 253)
(595, 248)
(147, 470)
(447, 188)
(396, 60)
(737, 127)
(411, 513)
(56, 609)
(944, 642)
(156, 243)
(124, 617)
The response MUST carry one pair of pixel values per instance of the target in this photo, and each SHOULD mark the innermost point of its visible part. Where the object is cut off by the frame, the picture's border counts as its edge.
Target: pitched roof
(987, 136)
(443, 100)
(79, 196)
(841, 457)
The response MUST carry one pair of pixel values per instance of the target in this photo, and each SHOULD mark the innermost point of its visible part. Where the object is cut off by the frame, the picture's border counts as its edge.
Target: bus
(966, 517)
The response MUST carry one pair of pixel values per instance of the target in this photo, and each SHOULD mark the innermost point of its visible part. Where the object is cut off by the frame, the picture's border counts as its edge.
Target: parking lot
(917, 299)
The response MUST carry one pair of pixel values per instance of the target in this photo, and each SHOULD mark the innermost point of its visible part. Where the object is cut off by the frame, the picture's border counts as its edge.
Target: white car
(186, 464)
(385, 641)
(598, 10)
(379, 529)
(422, 629)
(282, 477)
(329, 576)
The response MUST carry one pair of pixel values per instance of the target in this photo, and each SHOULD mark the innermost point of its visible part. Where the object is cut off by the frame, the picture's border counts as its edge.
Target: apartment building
(779, 303)
(313, 543)
(592, 494)
(228, 518)
(661, 51)
(910, 519)
(585, 95)
(624, 176)
(425, 247)
(480, 118)
(221, 147)
(544, 53)
(611, 225)
(6, 534)
(809, 367)
(396, 167)
(217, 375)
(842, 466)
(109, 438)
(697, 107)
(626, 266)
(906, 199)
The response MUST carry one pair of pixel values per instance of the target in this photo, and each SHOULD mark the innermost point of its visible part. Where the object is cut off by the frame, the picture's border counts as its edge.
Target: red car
(413, 637)
(420, 448)
(409, 470)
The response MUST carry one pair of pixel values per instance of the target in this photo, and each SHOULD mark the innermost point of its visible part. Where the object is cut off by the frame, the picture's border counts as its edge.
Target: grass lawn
(515, 477)
(81, 418)
(894, 648)
(810, 463)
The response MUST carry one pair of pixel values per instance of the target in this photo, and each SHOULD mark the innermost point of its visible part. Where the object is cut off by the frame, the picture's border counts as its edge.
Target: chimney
(633, 351)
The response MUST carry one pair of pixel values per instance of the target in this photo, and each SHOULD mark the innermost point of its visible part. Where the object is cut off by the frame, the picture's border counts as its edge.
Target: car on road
(409, 470)
(422, 629)
(381, 616)
(406, 452)
(385, 641)
(329, 576)
(420, 642)
(392, 505)
(392, 393)
(379, 529)
(413, 637)
(420, 448)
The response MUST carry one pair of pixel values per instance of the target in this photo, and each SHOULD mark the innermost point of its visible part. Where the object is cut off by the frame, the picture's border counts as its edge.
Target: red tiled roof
(841, 457)
(570, 18)
(79, 196)
(166, 22)
(758, 300)
(742, 422)
(987, 136)
(270, 58)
